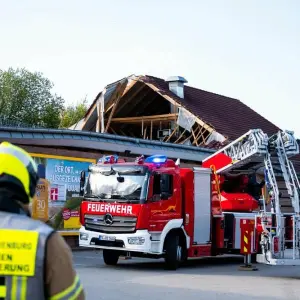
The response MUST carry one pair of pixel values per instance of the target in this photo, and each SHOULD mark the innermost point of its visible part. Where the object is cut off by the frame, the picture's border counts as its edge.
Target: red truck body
(180, 212)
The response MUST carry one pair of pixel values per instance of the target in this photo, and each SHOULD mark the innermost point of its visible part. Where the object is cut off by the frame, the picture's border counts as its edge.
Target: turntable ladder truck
(155, 208)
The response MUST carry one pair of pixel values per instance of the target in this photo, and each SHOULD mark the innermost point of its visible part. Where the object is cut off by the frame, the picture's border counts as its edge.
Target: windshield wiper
(102, 198)
(128, 200)
(92, 196)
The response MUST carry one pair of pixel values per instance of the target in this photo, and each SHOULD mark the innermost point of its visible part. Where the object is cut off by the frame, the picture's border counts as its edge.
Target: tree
(26, 97)
(73, 114)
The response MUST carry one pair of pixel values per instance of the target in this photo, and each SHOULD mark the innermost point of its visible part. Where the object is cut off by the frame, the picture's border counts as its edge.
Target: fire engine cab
(155, 208)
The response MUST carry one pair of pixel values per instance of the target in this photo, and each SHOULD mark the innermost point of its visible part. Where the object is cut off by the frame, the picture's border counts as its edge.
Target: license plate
(107, 238)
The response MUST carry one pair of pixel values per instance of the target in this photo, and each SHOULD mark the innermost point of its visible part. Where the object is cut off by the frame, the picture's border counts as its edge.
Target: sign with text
(40, 201)
(58, 192)
(64, 178)
(18, 252)
(71, 219)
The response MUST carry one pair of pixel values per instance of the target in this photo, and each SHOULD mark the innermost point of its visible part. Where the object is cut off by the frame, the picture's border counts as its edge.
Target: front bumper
(123, 242)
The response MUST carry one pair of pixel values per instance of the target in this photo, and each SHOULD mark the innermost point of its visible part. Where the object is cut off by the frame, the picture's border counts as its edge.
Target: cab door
(165, 203)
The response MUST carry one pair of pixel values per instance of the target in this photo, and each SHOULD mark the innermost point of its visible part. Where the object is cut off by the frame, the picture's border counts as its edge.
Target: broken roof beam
(146, 119)
(128, 98)
(126, 85)
(116, 96)
(171, 100)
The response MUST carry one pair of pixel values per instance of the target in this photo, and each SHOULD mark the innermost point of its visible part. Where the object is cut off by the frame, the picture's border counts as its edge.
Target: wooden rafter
(181, 135)
(99, 116)
(109, 108)
(91, 111)
(172, 101)
(117, 95)
(190, 136)
(194, 136)
(110, 103)
(197, 136)
(114, 132)
(173, 132)
(146, 119)
(201, 132)
(125, 102)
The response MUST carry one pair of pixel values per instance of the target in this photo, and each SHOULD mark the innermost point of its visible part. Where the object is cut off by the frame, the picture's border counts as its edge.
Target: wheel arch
(174, 226)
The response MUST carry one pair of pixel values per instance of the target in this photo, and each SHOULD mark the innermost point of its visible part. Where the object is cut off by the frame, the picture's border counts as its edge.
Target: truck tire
(173, 252)
(110, 257)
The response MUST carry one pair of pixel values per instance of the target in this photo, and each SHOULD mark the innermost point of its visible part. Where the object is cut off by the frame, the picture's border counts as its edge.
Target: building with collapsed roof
(154, 109)
(168, 110)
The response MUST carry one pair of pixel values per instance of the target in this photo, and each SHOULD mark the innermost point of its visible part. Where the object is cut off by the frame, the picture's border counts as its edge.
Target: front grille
(119, 224)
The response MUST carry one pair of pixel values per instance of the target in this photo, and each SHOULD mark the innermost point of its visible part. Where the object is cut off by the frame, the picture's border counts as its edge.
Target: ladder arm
(249, 148)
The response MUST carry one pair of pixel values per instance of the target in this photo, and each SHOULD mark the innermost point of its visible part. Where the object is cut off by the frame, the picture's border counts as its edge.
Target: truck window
(156, 184)
(163, 184)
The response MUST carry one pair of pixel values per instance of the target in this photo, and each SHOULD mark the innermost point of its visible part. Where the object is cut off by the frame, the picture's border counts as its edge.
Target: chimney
(176, 85)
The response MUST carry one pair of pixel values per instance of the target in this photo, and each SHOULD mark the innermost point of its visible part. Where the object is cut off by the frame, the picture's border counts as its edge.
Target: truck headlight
(84, 236)
(137, 240)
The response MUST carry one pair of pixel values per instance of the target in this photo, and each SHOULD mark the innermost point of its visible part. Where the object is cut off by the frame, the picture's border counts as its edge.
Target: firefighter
(35, 261)
(254, 187)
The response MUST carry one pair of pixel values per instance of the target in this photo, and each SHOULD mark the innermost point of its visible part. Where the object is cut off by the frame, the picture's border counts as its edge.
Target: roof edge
(103, 135)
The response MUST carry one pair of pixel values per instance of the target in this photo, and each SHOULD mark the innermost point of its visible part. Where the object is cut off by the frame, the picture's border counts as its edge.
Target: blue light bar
(157, 159)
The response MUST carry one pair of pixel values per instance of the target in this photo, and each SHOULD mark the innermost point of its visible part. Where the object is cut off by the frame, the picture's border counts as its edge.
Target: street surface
(207, 279)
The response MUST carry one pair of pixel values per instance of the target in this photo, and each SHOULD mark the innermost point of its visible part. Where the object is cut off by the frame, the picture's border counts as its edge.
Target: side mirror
(82, 182)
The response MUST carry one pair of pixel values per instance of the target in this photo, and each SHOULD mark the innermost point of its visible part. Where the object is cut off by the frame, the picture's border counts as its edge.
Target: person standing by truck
(35, 261)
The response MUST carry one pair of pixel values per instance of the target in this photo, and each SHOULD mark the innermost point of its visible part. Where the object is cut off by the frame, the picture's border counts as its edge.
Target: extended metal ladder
(287, 146)
(255, 151)
(281, 146)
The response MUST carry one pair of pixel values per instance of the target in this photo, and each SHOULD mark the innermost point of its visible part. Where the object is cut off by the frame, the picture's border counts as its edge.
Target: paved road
(208, 279)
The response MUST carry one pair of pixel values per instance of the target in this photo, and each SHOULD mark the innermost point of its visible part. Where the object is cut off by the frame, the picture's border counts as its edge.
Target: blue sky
(244, 49)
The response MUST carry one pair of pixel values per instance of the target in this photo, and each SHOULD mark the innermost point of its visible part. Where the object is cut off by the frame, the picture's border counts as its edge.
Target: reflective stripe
(19, 288)
(3, 288)
(16, 162)
(12, 166)
(23, 288)
(71, 293)
(2, 291)
(14, 288)
(26, 159)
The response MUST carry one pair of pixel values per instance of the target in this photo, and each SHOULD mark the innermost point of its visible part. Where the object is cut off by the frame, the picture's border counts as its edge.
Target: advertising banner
(40, 207)
(71, 218)
(64, 178)
(57, 198)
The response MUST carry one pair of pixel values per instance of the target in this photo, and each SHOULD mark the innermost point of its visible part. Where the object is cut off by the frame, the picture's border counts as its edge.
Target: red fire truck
(155, 208)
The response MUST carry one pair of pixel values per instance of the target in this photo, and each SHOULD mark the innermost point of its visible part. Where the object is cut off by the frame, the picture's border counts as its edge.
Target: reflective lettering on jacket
(22, 254)
(22, 260)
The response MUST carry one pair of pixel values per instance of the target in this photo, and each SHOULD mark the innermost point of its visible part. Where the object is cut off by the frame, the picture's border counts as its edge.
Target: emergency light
(108, 159)
(157, 159)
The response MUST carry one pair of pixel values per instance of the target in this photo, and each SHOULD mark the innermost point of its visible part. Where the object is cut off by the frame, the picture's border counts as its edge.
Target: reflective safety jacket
(23, 262)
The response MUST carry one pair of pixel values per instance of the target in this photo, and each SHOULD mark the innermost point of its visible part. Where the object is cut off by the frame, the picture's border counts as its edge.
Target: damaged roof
(230, 117)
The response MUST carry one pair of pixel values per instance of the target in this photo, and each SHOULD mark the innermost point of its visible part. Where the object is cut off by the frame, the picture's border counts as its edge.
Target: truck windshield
(119, 183)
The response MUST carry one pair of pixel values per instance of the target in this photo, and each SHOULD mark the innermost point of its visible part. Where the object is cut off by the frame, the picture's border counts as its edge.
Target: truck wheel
(173, 252)
(110, 257)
